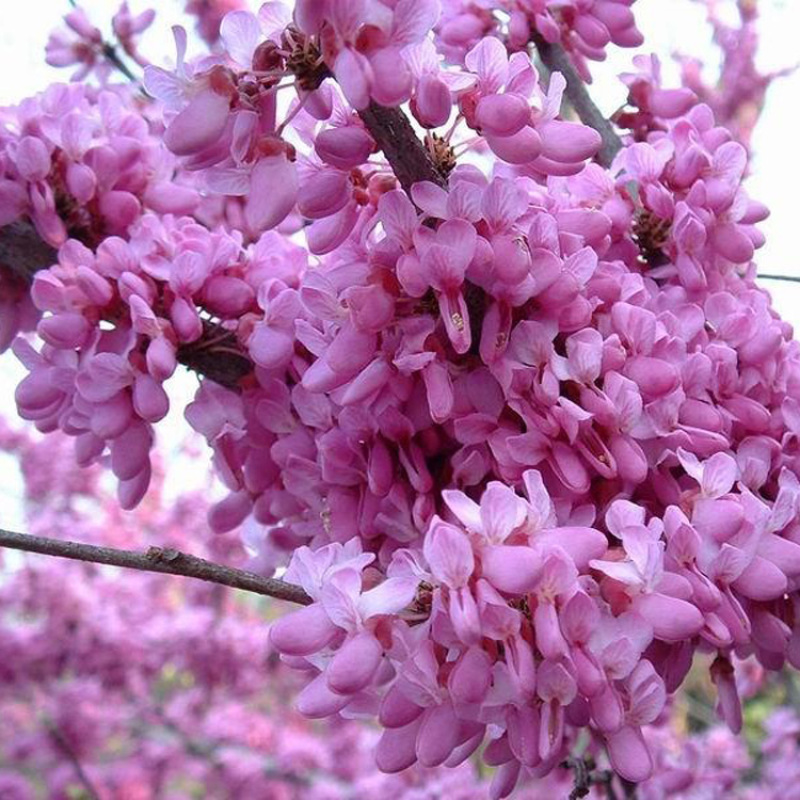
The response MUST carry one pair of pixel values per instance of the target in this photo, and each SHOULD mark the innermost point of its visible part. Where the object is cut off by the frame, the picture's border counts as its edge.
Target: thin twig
(68, 751)
(789, 278)
(111, 55)
(556, 59)
(157, 559)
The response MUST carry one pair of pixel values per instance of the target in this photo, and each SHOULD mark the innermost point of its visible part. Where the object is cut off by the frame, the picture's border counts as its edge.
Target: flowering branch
(157, 559)
(24, 253)
(555, 58)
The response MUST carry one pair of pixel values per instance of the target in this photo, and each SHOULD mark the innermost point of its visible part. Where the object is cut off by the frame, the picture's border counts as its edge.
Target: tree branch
(24, 253)
(556, 59)
(407, 155)
(224, 362)
(66, 748)
(157, 559)
(789, 278)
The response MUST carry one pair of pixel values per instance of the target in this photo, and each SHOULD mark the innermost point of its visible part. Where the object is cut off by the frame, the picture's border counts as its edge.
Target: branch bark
(407, 155)
(157, 559)
(24, 253)
(556, 59)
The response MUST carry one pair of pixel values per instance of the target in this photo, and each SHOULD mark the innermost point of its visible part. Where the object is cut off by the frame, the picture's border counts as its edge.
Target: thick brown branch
(224, 362)
(556, 59)
(157, 559)
(24, 253)
(406, 154)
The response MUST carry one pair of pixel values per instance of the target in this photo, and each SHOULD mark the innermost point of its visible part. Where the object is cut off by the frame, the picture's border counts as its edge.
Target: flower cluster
(224, 118)
(737, 95)
(82, 44)
(453, 334)
(117, 319)
(84, 162)
(584, 27)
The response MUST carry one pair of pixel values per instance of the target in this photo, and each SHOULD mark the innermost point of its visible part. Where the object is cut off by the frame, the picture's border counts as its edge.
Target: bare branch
(556, 59)
(788, 278)
(157, 559)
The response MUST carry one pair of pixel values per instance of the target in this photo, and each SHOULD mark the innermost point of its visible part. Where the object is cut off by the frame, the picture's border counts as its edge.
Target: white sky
(668, 25)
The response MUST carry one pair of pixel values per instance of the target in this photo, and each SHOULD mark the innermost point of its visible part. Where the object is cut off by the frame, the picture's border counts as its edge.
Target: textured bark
(157, 559)
(555, 58)
(408, 157)
(224, 362)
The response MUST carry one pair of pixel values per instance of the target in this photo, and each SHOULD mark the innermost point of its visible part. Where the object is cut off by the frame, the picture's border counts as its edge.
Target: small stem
(110, 54)
(72, 757)
(156, 559)
(555, 58)
(789, 278)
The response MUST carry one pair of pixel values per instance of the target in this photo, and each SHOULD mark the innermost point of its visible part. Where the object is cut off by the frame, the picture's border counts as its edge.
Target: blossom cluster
(84, 162)
(584, 28)
(737, 96)
(81, 43)
(524, 320)
(224, 118)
